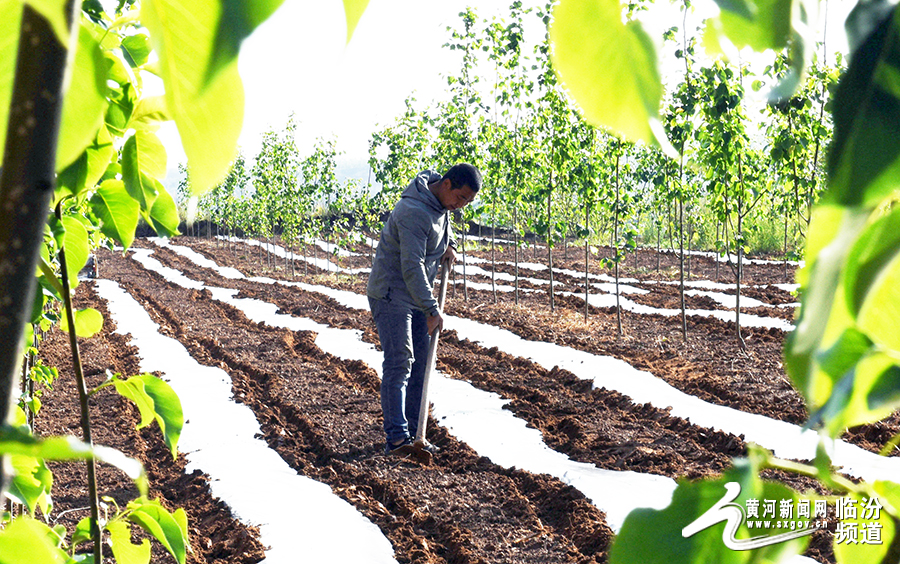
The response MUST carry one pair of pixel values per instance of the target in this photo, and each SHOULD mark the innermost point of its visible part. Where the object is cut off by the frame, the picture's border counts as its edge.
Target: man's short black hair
(463, 174)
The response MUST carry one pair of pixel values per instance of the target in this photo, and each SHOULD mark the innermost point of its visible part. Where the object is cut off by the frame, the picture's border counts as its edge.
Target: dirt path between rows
(322, 415)
(596, 426)
(710, 365)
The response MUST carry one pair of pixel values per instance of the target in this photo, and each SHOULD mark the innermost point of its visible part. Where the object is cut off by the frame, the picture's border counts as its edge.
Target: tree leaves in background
(609, 67)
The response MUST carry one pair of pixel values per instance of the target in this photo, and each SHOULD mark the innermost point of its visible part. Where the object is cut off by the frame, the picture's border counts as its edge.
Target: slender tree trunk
(27, 183)
(493, 245)
(93, 497)
(549, 242)
(587, 256)
(681, 248)
(717, 251)
(516, 249)
(465, 276)
(785, 266)
(738, 275)
(616, 250)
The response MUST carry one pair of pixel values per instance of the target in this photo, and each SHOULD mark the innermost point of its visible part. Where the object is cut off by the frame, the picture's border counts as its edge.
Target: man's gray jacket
(414, 238)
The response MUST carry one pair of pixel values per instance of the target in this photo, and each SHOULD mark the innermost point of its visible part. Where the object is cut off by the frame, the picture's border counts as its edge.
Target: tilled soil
(216, 536)
(322, 414)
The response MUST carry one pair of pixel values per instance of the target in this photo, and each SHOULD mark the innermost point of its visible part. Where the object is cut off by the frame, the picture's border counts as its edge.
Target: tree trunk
(27, 184)
(549, 242)
(516, 249)
(587, 256)
(616, 250)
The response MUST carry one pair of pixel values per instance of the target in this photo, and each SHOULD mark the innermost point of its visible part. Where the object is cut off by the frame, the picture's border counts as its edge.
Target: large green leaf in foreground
(27, 541)
(609, 67)
(651, 536)
(208, 110)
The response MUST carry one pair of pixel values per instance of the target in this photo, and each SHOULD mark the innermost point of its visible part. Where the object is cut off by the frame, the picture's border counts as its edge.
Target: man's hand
(434, 323)
(449, 256)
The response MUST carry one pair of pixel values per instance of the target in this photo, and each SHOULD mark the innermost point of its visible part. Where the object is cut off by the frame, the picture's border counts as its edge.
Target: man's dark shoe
(398, 449)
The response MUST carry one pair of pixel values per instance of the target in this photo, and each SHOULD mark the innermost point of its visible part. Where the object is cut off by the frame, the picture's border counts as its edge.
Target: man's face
(454, 199)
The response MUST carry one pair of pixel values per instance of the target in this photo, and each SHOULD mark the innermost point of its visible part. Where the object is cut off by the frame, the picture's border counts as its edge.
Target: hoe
(417, 450)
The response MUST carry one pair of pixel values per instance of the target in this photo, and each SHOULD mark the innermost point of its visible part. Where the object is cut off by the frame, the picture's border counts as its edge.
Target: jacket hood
(418, 190)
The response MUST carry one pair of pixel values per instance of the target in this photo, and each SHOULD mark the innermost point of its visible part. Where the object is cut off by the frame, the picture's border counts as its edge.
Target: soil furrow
(322, 415)
(215, 535)
(710, 365)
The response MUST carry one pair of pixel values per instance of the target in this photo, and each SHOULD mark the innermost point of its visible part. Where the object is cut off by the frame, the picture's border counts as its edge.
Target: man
(415, 239)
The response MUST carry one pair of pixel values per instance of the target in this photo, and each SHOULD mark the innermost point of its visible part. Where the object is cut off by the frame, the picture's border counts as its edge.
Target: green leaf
(32, 483)
(609, 68)
(157, 401)
(75, 241)
(871, 259)
(759, 24)
(85, 101)
(117, 211)
(164, 214)
(149, 113)
(156, 520)
(864, 161)
(121, 106)
(142, 155)
(878, 313)
(86, 170)
(26, 541)
(238, 20)
(82, 532)
(208, 109)
(54, 11)
(143, 159)
(17, 441)
(122, 548)
(837, 372)
(824, 316)
(650, 536)
(168, 409)
(137, 48)
(353, 11)
(88, 322)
